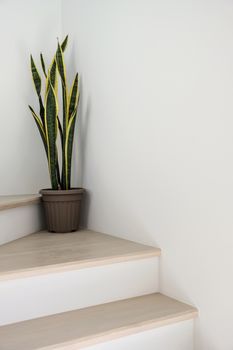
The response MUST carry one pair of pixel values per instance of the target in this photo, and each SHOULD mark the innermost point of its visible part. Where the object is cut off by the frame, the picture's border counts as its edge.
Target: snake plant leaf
(60, 129)
(53, 74)
(69, 147)
(73, 100)
(58, 171)
(37, 83)
(41, 109)
(40, 128)
(51, 112)
(43, 65)
(62, 72)
(53, 67)
(52, 77)
(61, 64)
(63, 46)
(35, 76)
(64, 43)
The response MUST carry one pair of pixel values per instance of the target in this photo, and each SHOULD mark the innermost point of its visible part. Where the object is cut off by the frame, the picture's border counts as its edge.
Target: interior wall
(157, 140)
(26, 26)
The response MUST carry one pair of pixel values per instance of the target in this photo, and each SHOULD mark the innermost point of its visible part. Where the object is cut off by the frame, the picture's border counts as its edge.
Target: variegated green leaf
(41, 109)
(40, 128)
(43, 65)
(64, 43)
(58, 171)
(60, 130)
(61, 64)
(36, 77)
(53, 67)
(69, 148)
(62, 72)
(73, 100)
(51, 111)
(53, 74)
(52, 77)
(37, 83)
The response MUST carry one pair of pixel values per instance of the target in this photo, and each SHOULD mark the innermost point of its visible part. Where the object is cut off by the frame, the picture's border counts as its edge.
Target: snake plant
(48, 118)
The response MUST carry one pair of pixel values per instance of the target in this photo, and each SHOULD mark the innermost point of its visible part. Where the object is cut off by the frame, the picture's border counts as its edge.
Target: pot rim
(51, 192)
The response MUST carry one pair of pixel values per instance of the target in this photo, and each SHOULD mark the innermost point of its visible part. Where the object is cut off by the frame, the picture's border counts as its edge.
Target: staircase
(86, 290)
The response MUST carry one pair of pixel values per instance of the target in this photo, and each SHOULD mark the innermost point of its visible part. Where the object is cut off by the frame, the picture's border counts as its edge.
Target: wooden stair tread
(45, 252)
(80, 328)
(9, 202)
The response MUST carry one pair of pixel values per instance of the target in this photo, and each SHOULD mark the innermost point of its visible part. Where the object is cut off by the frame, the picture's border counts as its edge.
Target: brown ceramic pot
(62, 209)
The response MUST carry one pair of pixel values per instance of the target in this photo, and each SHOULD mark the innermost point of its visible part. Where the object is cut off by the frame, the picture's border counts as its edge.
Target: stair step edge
(15, 201)
(43, 253)
(119, 319)
(59, 268)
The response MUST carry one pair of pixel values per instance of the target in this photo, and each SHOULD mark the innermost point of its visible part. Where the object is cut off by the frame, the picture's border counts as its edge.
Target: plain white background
(156, 125)
(157, 122)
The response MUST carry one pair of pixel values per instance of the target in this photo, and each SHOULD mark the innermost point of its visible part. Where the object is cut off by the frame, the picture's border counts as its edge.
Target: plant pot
(62, 209)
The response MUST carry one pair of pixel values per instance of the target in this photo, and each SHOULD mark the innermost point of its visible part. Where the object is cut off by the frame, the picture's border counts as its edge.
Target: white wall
(26, 26)
(157, 140)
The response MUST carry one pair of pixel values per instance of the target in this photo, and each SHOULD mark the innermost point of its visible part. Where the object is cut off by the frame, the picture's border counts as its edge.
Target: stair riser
(178, 336)
(27, 298)
(19, 222)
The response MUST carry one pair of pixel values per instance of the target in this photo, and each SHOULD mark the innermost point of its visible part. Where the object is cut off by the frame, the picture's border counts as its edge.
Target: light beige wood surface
(45, 252)
(9, 202)
(80, 328)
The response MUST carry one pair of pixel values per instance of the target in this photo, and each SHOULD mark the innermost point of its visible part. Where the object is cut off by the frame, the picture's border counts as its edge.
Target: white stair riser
(177, 336)
(19, 222)
(27, 298)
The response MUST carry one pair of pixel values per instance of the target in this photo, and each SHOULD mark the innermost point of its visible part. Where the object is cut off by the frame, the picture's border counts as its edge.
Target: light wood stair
(87, 290)
(86, 327)
(44, 252)
(85, 268)
(20, 215)
(10, 202)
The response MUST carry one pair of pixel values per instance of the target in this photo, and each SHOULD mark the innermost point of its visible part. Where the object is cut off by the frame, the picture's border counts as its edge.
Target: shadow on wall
(82, 124)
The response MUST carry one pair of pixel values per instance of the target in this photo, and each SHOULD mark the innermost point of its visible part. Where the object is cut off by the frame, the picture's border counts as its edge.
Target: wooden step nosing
(78, 265)
(120, 319)
(20, 202)
(121, 332)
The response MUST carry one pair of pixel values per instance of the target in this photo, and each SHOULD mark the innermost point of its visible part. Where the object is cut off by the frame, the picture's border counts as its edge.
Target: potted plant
(61, 202)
